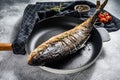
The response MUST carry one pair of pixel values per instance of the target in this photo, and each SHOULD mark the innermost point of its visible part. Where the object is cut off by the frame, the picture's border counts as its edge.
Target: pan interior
(53, 26)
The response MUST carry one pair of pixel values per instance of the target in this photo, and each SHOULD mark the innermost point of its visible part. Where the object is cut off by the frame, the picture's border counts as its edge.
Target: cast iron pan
(79, 61)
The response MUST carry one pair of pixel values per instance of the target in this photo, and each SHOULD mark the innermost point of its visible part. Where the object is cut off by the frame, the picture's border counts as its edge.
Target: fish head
(36, 58)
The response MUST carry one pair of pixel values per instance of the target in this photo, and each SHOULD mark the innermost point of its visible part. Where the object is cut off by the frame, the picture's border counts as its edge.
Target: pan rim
(69, 71)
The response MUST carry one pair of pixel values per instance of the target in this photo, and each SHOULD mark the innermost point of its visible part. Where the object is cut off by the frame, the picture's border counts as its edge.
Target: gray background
(14, 67)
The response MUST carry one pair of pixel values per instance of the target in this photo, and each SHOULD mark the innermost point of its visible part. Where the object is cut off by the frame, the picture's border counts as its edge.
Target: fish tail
(99, 8)
(92, 19)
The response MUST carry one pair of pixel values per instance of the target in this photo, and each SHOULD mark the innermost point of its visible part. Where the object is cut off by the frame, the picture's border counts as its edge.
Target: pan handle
(5, 46)
(104, 34)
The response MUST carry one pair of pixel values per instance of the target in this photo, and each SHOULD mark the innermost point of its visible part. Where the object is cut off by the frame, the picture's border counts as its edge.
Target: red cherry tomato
(104, 17)
(100, 15)
(106, 14)
(109, 18)
(104, 20)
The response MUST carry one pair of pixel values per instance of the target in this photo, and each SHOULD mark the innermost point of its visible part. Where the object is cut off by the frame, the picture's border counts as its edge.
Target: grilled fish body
(60, 45)
(63, 44)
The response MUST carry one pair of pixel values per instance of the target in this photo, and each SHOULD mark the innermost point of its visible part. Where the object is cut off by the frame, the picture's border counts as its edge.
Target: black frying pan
(81, 60)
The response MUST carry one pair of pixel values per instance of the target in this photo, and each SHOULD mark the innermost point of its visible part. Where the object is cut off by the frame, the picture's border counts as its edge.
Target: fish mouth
(30, 60)
(30, 63)
(35, 61)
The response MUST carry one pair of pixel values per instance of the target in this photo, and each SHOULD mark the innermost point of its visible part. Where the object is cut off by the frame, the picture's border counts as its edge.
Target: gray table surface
(14, 67)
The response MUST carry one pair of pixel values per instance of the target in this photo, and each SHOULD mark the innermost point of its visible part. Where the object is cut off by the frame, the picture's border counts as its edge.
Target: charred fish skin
(61, 45)
(65, 43)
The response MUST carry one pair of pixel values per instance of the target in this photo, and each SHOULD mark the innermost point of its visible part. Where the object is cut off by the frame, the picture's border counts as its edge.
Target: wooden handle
(5, 46)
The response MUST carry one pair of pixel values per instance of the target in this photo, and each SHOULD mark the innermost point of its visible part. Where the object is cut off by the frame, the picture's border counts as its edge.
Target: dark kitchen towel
(36, 12)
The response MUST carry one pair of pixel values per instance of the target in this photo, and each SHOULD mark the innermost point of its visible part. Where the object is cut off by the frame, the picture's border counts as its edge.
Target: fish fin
(84, 43)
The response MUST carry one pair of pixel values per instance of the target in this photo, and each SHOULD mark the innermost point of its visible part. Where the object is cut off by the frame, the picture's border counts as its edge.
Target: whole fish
(65, 43)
